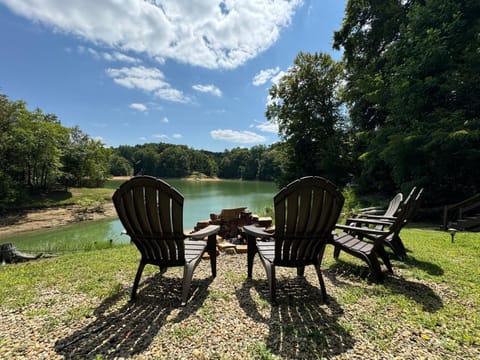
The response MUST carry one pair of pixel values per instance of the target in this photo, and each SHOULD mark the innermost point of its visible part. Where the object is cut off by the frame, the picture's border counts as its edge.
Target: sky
(189, 72)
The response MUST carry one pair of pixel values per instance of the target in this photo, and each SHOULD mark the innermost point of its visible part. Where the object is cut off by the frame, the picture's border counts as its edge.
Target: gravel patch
(229, 317)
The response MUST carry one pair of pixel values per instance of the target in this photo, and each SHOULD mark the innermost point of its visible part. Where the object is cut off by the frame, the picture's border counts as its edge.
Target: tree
(85, 160)
(174, 162)
(119, 166)
(306, 106)
(434, 103)
(369, 29)
(413, 78)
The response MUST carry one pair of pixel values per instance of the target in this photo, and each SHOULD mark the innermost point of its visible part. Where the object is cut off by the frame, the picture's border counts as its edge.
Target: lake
(201, 199)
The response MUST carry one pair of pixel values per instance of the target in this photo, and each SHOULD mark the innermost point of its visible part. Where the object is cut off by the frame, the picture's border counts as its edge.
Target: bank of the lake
(48, 218)
(202, 197)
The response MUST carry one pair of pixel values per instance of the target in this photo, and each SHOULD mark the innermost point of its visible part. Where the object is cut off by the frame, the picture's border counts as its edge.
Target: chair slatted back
(394, 205)
(306, 211)
(407, 210)
(151, 212)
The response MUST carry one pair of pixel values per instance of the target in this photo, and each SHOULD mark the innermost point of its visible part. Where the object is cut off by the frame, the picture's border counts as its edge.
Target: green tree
(308, 111)
(10, 184)
(369, 29)
(85, 160)
(119, 166)
(413, 74)
(434, 102)
(36, 141)
(174, 161)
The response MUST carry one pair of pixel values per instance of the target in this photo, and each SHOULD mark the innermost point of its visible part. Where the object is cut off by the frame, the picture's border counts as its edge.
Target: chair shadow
(416, 291)
(300, 326)
(428, 267)
(124, 330)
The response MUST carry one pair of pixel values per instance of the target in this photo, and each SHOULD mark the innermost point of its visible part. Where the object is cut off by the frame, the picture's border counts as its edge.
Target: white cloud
(165, 120)
(117, 56)
(243, 137)
(211, 89)
(275, 79)
(148, 79)
(268, 126)
(177, 136)
(264, 75)
(197, 32)
(160, 136)
(138, 106)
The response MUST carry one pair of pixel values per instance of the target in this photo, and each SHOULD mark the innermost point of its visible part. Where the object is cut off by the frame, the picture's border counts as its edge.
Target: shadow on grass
(124, 329)
(300, 327)
(428, 267)
(417, 291)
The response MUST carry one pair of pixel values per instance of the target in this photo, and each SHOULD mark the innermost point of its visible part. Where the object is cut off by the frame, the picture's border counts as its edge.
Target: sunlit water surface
(201, 199)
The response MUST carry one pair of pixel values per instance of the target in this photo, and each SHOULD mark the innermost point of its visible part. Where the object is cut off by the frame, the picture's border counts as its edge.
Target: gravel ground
(228, 317)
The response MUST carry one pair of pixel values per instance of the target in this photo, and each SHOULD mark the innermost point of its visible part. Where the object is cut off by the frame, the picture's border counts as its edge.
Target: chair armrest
(362, 229)
(370, 208)
(368, 221)
(207, 231)
(380, 217)
(256, 231)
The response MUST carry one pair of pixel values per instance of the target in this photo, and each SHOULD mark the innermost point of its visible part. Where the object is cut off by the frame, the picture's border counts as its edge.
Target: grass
(76, 196)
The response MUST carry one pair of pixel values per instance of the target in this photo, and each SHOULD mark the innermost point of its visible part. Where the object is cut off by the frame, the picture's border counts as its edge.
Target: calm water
(201, 199)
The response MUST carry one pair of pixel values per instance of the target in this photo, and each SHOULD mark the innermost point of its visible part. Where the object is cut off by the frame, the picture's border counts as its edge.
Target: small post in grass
(452, 232)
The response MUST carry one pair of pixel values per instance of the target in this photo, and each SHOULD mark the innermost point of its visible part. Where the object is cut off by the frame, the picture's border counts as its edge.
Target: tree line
(38, 154)
(400, 109)
(177, 161)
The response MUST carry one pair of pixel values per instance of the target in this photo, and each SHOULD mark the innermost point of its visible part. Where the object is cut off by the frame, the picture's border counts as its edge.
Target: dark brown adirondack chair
(306, 211)
(151, 212)
(411, 205)
(368, 244)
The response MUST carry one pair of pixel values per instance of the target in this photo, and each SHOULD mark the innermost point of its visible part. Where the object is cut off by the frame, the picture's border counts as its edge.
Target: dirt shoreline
(38, 219)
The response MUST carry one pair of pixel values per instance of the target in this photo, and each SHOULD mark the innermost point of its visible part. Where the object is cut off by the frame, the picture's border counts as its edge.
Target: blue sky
(139, 71)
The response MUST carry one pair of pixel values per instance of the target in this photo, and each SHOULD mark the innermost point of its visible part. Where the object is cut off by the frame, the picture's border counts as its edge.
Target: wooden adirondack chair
(306, 211)
(368, 244)
(411, 205)
(151, 212)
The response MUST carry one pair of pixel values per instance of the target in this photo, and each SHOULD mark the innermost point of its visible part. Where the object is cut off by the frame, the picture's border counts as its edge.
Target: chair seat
(352, 243)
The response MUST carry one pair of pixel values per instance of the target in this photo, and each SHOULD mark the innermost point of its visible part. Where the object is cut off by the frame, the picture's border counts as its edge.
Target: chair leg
(375, 267)
(301, 271)
(384, 256)
(212, 251)
(321, 282)
(187, 281)
(336, 252)
(397, 246)
(137, 280)
(251, 251)
(272, 283)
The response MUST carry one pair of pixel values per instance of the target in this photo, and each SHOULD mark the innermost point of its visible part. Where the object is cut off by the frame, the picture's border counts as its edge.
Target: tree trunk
(9, 254)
